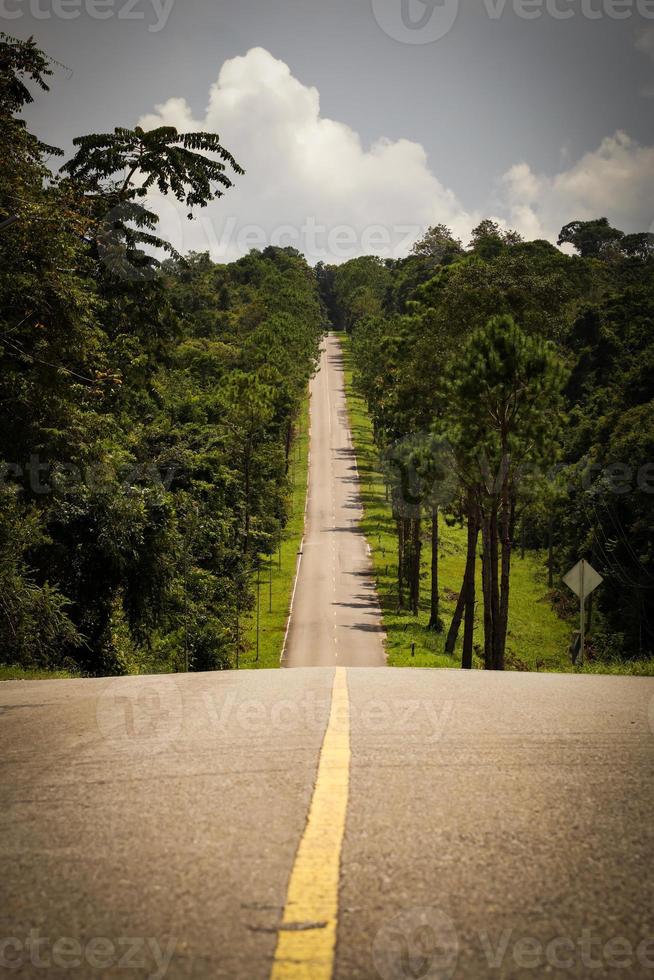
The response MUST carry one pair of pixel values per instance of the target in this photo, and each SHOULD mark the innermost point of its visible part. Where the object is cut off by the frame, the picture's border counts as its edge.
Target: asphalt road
(335, 615)
(497, 824)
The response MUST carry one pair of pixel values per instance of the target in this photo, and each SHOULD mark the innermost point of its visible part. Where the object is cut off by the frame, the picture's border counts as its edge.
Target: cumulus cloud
(615, 180)
(311, 183)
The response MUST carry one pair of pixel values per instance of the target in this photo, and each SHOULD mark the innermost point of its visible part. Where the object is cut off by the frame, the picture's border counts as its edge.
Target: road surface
(496, 825)
(335, 616)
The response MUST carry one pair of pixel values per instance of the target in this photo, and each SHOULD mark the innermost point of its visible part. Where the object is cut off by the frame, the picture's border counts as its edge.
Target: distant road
(335, 618)
(434, 823)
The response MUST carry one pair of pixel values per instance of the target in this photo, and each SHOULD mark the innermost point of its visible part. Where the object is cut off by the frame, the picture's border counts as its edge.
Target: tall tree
(505, 416)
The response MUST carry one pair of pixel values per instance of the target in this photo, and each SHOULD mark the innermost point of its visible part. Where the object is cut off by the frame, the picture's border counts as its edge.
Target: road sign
(582, 579)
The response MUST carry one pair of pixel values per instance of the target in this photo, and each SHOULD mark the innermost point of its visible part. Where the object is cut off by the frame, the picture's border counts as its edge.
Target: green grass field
(538, 639)
(277, 578)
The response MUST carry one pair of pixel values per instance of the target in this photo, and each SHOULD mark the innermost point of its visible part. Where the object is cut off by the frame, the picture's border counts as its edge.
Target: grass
(10, 672)
(538, 639)
(277, 577)
(635, 668)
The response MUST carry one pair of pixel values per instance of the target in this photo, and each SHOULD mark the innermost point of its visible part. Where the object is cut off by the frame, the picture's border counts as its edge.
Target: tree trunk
(435, 622)
(287, 447)
(550, 553)
(469, 587)
(486, 589)
(246, 521)
(495, 591)
(400, 564)
(414, 563)
(453, 631)
(506, 531)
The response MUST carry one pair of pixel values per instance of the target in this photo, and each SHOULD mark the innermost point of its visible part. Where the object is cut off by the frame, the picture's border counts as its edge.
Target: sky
(359, 123)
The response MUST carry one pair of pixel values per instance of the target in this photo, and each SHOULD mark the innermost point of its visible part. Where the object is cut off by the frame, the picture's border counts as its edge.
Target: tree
(359, 289)
(163, 158)
(21, 62)
(439, 245)
(591, 239)
(143, 466)
(117, 170)
(488, 240)
(639, 245)
(505, 413)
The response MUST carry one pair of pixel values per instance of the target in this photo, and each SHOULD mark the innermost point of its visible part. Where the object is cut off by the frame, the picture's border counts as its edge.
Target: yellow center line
(306, 940)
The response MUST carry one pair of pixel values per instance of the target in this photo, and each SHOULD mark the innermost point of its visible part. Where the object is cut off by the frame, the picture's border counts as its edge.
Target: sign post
(582, 579)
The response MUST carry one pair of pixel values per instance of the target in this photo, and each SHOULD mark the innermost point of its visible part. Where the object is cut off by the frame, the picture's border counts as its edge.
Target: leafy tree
(360, 287)
(488, 240)
(639, 245)
(152, 414)
(117, 170)
(438, 244)
(505, 413)
(590, 238)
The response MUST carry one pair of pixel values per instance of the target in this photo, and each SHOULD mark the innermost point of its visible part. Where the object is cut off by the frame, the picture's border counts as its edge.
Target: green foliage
(439, 245)
(590, 238)
(359, 289)
(426, 360)
(504, 405)
(113, 171)
(503, 416)
(538, 638)
(145, 466)
(488, 240)
(163, 158)
(34, 616)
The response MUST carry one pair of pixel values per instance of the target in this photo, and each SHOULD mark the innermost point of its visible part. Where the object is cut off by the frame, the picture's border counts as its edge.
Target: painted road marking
(307, 936)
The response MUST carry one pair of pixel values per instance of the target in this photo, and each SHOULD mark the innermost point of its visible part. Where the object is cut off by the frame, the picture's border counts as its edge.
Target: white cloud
(616, 180)
(311, 183)
(309, 180)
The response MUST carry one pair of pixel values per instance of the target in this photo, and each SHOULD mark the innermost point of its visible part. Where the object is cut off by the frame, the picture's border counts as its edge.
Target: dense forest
(148, 407)
(510, 386)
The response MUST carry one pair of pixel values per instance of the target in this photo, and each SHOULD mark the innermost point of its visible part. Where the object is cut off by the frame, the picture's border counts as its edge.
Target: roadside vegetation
(502, 405)
(538, 638)
(147, 441)
(273, 584)
(12, 672)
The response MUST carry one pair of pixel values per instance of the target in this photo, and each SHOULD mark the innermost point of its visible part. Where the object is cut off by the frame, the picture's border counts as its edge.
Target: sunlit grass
(277, 577)
(10, 672)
